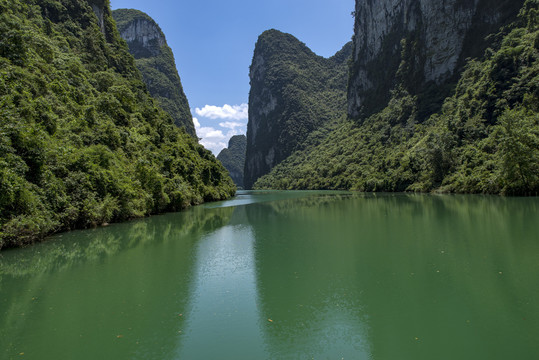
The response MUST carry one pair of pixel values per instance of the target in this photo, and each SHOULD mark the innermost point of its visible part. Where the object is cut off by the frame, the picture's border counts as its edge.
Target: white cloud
(209, 132)
(214, 146)
(211, 138)
(230, 125)
(215, 137)
(226, 112)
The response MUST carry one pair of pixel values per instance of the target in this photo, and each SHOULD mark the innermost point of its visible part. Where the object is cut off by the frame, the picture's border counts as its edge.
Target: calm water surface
(285, 275)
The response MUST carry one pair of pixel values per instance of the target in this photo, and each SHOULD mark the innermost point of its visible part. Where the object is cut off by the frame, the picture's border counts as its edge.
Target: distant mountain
(443, 96)
(296, 97)
(233, 158)
(82, 142)
(155, 60)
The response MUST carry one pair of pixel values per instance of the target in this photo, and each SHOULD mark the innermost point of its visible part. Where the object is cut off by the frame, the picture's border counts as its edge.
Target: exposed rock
(144, 37)
(98, 6)
(100, 19)
(155, 60)
(440, 35)
(293, 93)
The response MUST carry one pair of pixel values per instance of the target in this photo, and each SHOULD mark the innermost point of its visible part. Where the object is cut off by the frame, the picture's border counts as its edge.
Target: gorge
(99, 157)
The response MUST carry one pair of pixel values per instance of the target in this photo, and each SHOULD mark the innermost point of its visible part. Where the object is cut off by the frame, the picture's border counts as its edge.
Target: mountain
(295, 94)
(82, 142)
(233, 158)
(155, 60)
(423, 116)
(420, 45)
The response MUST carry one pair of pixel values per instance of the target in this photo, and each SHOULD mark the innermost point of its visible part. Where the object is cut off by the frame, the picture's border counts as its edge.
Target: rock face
(143, 35)
(293, 93)
(98, 6)
(154, 59)
(478, 59)
(428, 40)
(233, 158)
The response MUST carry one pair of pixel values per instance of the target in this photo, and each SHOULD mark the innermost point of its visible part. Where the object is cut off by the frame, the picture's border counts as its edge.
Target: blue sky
(213, 43)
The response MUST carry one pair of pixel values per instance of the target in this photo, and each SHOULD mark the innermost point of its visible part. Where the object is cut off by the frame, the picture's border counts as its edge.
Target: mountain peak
(142, 33)
(155, 60)
(294, 92)
(233, 158)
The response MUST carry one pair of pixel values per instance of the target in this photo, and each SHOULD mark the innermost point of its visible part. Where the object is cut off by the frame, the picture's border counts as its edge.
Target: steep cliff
(82, 142)
(294, 93)
(155, 60)
(419, 46)
(233, 158)
(485, 139)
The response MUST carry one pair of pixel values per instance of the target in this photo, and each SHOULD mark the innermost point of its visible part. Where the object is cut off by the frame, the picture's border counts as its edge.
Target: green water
(285, 275)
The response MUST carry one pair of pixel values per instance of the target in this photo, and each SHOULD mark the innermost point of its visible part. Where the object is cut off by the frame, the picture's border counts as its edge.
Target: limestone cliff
(408, 55)
(99, 8)
(420, 45)
(233, 158)
(294, 92)
(154, 59)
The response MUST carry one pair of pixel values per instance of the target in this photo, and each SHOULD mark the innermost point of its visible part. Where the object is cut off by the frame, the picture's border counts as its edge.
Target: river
(285, 275)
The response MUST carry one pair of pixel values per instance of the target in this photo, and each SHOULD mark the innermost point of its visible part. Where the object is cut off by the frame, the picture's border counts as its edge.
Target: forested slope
(296, 98)
(485, 139)
(233, 158)
(82, 142)
(155, 60)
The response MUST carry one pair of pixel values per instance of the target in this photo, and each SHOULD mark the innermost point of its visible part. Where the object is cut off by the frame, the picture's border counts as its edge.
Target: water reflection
(401, 276)
(248, 197)
(223, 320)
(285, 275)
(310, 301)
(115, 292)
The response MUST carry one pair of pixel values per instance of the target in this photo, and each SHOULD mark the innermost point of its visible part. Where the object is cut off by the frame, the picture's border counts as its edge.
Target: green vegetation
(233, 158)
(61, 255)
(155, 61)
(82, 143)
(485, 139)
(295, 99)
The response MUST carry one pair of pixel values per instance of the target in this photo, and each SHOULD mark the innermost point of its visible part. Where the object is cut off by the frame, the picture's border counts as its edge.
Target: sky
(213, 43)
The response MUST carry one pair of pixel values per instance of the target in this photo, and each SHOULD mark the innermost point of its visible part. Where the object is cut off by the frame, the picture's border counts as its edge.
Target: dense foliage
(295, 98)
(158, 69)
(484, 140)
(233, 158)
(82, 143)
